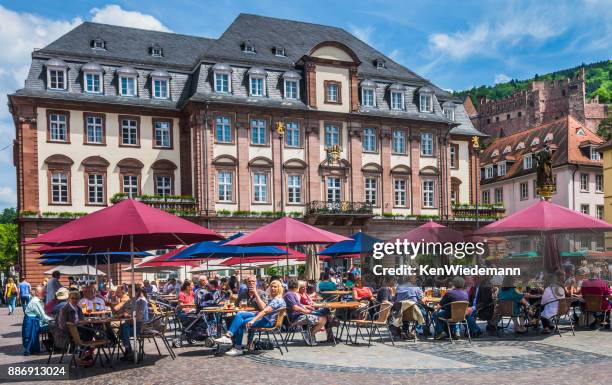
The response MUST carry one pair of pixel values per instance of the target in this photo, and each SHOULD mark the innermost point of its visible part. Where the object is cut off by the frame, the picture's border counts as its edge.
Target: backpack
(263, 345)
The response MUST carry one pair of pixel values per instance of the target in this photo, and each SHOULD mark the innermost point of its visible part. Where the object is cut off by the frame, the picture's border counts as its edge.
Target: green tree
(8, 215)
(8, 245)
(605, 129)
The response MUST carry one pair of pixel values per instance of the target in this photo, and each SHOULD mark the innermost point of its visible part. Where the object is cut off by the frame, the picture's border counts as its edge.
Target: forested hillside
(598, 82)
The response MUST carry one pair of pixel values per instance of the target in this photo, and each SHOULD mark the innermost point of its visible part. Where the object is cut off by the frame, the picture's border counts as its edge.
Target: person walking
(53, 286)
(24, 292)
(10, 295)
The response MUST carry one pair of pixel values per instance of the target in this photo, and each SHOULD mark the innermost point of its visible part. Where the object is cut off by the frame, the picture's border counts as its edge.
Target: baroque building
(298, 118)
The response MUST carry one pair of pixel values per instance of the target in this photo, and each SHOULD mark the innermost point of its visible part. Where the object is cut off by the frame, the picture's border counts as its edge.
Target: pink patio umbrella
(287, 231)
(545, 219)
(432, 232)
(130, 224)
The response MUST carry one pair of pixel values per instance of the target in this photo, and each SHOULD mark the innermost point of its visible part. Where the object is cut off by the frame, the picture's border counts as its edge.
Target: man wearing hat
(61, 296)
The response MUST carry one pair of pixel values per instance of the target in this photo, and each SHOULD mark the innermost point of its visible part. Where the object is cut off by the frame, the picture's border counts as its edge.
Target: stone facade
(543, 102)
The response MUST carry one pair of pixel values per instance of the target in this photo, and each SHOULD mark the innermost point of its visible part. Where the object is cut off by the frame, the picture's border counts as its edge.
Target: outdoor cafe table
(348, 305)
(335, 294)
(432, 300)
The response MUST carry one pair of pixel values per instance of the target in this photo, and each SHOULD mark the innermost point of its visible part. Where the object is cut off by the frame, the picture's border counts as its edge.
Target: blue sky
(454, 44)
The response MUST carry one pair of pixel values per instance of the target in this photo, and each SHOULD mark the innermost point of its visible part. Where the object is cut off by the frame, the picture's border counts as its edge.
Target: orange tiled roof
(565, 140)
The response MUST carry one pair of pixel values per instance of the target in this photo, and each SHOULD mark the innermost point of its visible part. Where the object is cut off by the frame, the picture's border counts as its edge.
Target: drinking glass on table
(243, 304)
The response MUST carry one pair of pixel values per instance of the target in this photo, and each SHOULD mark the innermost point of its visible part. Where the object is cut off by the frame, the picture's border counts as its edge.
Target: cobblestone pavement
(582, 359)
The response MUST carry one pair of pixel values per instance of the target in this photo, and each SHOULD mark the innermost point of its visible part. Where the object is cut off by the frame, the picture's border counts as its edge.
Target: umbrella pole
(133, 297)
(287, 258)
(87, 281)
(110, 281)
(240, 272)
(96, 269)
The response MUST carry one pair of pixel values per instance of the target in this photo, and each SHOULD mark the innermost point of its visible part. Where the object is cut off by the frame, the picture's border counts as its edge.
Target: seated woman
(550, 300)
(244, 319)
(350, 281)
(119, 300)
(508, 292)
(34, 321)
(327, 284)
(186, 298)
(362, 293)
(126, 330)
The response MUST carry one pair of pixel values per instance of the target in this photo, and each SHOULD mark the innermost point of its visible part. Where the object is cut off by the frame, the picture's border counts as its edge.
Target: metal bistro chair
(297, 327)
(458, 311)
(275, 330)
(565, 306)
(505, 309)
(379, 319)
(78, 344)
(593, 305)
(152, 330)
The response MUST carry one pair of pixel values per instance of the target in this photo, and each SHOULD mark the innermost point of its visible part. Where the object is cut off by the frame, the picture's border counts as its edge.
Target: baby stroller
(196, 327)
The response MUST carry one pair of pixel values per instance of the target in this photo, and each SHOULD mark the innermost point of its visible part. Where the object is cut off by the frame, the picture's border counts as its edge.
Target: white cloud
(497, 32)
(362, 33)
(115, 15)
(8, 197)
(502, 78)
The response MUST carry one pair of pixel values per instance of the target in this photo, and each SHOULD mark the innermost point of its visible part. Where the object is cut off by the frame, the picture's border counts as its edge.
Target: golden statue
(280, 128)
(333, 153)
(475, 142)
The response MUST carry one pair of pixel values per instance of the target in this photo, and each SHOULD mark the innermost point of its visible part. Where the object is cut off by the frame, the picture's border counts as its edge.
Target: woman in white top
(550, 300)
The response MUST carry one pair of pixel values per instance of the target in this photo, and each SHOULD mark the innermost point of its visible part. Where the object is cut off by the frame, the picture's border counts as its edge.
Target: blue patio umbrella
(217, 249)
(212, 249)
(360, 244)
(80, 259)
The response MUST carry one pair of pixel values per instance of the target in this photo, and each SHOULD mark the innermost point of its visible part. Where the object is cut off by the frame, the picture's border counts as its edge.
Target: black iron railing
(339, 208)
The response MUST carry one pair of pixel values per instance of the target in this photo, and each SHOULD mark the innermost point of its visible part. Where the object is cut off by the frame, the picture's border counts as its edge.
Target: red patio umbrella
(163, 260)
(130, 223)
(287, 231)
(432, 232)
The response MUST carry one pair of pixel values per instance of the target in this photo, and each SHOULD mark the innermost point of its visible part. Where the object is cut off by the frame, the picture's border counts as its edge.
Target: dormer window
(527, 161)
(57, 78)
(535, 142)
(248, 47)
(92, 78)
(257, 81)
(222, 78)
(279, 51)
(425, 99)
(580, 132)
(127, 81)
(507, 149)
(396, 96)
(156, 51)
(98, 44)
(488, 172)
(520, 146)
(595, 155)
(495, 153)
(501, 169)
(548, 138)
(449, 110)
(368, 93)
(380, 64)
(291, 84)
(160, 84)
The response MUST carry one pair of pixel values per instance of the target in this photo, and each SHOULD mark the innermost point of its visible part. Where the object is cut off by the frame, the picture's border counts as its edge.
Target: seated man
(550, 300)
(61, 297)
(300, 314)
(252, 296)
(213, 296)
(91, 300)
(126, 330)
(412, 292)
(598, 287)
(34, 321)
(457, 293)
(327, 284)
